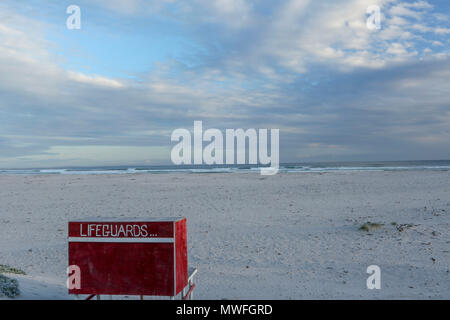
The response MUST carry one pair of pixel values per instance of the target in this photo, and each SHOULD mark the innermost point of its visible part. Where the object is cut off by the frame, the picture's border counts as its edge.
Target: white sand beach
(288, 236)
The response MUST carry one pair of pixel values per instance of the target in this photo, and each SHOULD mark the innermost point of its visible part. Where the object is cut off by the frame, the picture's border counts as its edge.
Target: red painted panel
(181, 255)
(123, 268)
(130, 257)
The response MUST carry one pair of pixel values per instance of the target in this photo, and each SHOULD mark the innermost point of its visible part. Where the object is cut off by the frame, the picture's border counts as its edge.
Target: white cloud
(443, 31)
(418, 5)
(298, 33)
(397, 49)
(94, 80)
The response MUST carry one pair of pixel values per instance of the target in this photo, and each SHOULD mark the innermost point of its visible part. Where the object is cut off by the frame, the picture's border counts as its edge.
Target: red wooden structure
(145, 257)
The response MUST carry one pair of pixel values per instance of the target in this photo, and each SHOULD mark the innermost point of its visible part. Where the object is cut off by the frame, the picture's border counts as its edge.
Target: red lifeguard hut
(144, 257)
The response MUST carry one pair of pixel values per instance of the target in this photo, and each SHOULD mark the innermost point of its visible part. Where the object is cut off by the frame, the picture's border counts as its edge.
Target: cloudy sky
(113, 91)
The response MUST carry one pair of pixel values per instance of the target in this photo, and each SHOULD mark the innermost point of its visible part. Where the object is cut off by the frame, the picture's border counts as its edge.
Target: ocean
(436, 165)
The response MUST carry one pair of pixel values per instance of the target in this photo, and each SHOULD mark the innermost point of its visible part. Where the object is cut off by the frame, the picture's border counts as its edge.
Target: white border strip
(174, 262)
(112, 239)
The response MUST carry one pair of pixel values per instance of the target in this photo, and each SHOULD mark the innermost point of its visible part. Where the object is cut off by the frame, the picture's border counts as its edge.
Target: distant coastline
(436, 165)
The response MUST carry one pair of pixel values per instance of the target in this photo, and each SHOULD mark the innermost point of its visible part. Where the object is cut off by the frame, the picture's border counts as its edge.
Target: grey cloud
(397, 111)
